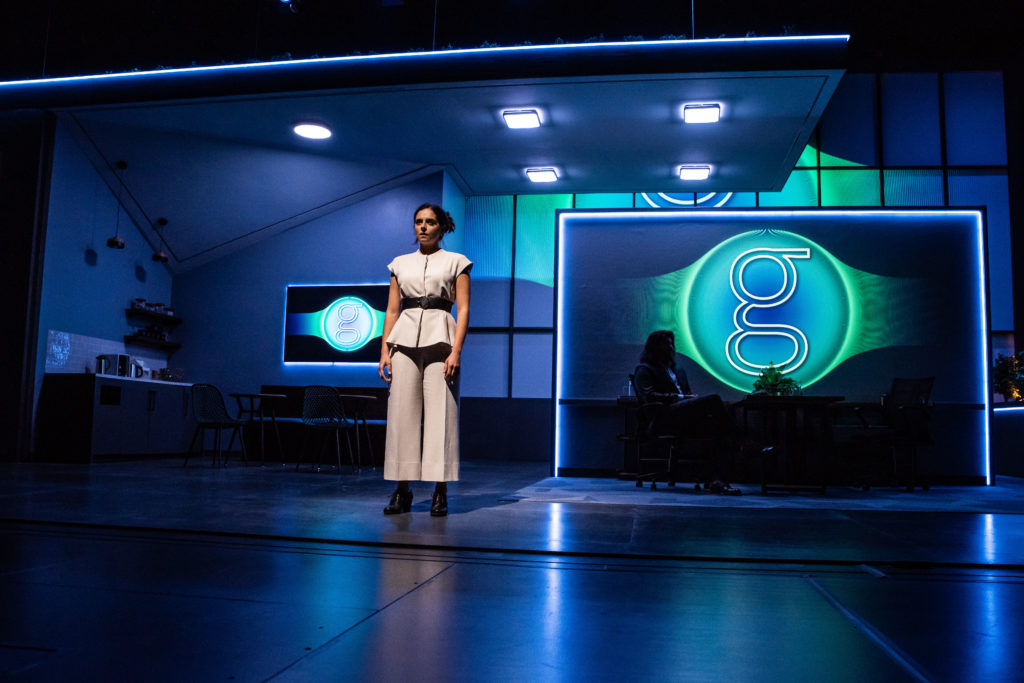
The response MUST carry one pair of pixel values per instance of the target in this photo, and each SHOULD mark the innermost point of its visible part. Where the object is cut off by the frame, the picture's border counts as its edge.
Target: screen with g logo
(334, 323)
(841, 301)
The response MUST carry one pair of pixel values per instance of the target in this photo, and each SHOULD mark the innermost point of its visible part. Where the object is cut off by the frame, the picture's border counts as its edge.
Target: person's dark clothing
(680, 412)
(655, 383)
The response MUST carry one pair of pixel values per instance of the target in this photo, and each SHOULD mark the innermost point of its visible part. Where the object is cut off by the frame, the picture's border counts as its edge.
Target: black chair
(322, 411)
(355, 406)
(899, 423)
(659, 455)
(210, 413)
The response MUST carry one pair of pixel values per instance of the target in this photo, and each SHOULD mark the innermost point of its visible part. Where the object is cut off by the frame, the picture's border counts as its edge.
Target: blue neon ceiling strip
(421, 56)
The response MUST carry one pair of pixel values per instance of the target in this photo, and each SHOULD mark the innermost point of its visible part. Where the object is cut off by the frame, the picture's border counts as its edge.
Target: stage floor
(148, 570)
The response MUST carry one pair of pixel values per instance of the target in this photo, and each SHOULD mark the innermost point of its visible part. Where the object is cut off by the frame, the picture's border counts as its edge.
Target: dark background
(72, 37)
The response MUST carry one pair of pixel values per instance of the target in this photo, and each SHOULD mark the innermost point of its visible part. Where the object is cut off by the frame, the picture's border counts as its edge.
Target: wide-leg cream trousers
(419, 392)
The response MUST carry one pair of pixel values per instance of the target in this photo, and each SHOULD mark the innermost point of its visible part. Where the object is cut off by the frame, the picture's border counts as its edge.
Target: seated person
(682, 412)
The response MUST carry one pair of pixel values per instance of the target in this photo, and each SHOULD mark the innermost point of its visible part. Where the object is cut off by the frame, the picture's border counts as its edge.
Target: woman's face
(428, 230)
(668, 350)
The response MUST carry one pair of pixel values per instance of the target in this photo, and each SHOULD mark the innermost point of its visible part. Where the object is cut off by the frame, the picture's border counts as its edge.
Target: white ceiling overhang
(212, 151)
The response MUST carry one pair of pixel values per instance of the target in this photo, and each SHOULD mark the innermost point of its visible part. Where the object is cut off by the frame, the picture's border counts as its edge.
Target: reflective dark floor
(151, 571)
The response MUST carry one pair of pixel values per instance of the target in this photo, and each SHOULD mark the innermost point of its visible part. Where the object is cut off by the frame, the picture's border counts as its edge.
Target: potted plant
(773, 383)
(1008, 376)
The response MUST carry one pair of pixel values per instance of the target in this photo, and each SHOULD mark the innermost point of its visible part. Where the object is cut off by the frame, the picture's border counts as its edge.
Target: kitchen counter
(84, 417)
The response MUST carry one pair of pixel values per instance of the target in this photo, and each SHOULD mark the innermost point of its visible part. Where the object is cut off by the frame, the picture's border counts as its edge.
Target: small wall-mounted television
(334, 323)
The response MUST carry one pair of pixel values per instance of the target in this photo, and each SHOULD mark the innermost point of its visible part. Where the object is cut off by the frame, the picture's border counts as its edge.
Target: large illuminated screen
(840, 301)
(334, 323)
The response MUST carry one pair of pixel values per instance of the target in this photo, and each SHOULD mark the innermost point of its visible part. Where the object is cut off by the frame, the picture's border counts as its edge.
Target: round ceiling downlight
(312, 131)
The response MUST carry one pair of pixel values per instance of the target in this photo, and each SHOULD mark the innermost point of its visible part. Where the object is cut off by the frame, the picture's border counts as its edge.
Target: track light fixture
(160, 256)
(117, 242)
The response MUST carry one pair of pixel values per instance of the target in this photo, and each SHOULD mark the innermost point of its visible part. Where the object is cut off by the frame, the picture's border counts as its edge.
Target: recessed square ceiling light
(694, 172)
(313, 131)
(701, 113)
(521, 118)
(542, 175)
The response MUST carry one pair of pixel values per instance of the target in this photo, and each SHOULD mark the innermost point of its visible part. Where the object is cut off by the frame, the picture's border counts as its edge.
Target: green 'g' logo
(766, 296)
(348, 323)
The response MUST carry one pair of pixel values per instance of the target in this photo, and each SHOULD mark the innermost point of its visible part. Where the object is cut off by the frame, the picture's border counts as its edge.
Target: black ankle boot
(401, 501)
(439, 505)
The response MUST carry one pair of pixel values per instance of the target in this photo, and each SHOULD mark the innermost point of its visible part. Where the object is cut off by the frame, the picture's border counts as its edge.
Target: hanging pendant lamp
(117, 242)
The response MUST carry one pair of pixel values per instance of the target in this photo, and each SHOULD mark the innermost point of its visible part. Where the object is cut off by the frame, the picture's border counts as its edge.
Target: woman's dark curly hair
(444, 219)
(656, 350)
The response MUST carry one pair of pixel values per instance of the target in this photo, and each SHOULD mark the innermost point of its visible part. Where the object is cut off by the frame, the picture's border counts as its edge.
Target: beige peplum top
(426, 275)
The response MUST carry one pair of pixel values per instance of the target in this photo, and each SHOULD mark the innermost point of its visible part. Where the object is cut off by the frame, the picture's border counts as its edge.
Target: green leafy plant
(773, 383)
(1008, 376)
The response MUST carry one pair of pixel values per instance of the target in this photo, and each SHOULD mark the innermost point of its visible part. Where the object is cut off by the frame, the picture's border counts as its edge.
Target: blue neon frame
(284, 323)
(982, 363)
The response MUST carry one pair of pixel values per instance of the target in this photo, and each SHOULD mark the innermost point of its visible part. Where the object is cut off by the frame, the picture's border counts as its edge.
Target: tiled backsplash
(68, 352)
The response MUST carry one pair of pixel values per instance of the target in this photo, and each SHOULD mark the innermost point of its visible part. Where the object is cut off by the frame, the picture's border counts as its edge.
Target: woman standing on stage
(420, 359)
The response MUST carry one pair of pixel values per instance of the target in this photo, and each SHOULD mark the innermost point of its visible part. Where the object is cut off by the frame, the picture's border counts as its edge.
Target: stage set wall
(87, 286)
(233, 308)
(905, 139)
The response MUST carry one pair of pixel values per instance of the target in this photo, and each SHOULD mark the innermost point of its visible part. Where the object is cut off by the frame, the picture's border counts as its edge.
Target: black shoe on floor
(722, 488)
(439, 505)
(400, 502)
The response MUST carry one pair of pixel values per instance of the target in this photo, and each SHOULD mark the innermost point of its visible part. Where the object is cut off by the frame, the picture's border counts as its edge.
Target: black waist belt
(427, 302)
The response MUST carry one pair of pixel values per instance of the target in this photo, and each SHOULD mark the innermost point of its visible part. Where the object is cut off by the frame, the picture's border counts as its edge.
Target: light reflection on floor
(158, 572)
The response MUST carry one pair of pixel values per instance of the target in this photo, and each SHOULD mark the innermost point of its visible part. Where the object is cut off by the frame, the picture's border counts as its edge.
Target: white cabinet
(83, 417)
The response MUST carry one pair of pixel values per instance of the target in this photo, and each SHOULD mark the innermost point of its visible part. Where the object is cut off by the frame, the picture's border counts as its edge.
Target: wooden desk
(788, 425)
(253, 407)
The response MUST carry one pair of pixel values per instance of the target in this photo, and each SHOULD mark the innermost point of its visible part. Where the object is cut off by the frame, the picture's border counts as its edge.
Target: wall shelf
(168, 346)
(169, 321)
(158, 323)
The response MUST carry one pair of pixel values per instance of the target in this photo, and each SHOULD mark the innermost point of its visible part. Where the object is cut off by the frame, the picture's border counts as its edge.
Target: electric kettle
(136, 368)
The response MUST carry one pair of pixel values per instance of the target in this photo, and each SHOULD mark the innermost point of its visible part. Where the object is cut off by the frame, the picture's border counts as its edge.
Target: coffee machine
(118, 365)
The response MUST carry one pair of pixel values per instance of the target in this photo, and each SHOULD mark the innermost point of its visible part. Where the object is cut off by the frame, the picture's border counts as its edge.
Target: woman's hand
(384, 366)
(451, 365)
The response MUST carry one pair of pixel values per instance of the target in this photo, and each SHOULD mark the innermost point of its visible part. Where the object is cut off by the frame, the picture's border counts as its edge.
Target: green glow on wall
(801, 189)
(535, 236)
(830, 160)
(605, 200)
(809, 157)
(851, 187)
